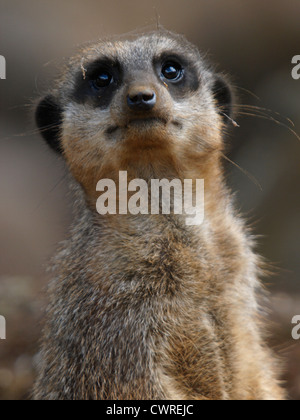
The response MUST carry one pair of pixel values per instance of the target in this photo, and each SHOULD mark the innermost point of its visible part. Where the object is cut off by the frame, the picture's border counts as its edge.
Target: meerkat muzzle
(141, 99)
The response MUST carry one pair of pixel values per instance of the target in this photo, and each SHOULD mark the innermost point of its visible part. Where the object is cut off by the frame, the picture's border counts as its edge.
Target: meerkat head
(148, 105)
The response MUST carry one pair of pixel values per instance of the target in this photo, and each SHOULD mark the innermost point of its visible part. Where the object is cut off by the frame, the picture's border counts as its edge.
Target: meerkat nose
(141, 99)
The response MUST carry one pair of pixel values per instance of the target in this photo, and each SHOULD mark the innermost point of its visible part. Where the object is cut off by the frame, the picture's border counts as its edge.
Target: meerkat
(145, 307)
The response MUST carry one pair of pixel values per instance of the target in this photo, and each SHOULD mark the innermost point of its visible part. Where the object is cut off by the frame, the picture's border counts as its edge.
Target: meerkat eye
(103, 79)
(172, 71)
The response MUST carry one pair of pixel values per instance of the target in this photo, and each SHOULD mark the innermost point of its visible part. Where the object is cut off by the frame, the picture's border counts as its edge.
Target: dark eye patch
(103, 79)
(97, 82)
(172, 71)
(178, 73)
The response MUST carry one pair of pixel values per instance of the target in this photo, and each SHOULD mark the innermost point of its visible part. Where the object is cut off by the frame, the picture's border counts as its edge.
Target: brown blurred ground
(253, 41)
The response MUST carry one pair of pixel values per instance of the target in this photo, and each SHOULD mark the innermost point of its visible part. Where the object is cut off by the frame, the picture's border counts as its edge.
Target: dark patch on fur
(223, 96)
(49, 119)
(85, 92)
(190, 81)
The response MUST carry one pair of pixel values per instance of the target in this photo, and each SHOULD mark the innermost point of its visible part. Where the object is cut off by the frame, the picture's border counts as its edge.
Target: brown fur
(145, 307)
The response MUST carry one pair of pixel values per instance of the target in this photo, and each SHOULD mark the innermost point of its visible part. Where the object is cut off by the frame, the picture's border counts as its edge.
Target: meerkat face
(146, 105)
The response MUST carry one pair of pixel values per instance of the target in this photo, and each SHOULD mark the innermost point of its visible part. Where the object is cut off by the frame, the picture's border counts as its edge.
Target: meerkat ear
(223, 96)
(48, 117)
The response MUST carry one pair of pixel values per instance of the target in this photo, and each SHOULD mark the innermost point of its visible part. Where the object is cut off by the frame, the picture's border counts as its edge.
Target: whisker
(234, 123)
(33, 131)
(250, 176)
(265, 111)
(50, 192)
(248, 91)
(269, 118)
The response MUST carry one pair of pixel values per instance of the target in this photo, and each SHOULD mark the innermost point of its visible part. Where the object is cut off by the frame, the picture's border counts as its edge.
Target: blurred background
(253, 42)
